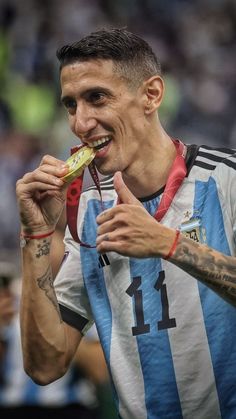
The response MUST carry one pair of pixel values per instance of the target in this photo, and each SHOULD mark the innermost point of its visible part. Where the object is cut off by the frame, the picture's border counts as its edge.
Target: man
(169, 339)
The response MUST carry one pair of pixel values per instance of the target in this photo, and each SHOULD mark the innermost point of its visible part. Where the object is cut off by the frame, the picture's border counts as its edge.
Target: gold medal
(77, 162)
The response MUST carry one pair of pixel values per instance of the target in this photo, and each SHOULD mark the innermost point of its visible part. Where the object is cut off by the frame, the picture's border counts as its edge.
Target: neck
(152, 173)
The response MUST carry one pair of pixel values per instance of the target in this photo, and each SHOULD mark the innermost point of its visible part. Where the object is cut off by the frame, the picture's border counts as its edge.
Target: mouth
(101, 143)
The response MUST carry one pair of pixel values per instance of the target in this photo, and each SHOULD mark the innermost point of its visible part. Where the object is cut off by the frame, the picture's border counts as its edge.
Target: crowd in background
(195, 41)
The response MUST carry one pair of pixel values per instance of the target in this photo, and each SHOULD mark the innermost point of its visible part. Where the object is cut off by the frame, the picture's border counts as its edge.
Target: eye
(70, 105)
(96, 98)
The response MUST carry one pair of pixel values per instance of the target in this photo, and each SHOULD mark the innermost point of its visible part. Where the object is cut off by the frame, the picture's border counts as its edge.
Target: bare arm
(48, 344)
(210, 267)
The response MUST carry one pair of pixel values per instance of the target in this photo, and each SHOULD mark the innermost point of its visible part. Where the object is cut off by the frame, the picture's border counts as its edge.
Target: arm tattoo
(45, 282)
(43, 248)
(209, 266)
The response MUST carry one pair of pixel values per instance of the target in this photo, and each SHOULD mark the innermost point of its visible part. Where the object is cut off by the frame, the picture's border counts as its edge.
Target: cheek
(124, 124)
(71, 122)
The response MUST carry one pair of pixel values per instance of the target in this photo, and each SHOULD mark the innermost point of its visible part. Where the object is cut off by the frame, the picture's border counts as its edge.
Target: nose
(84, 121)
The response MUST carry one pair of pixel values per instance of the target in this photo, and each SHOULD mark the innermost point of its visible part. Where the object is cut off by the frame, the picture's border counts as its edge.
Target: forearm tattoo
(43, 248)
(45, 282)
(210, 267)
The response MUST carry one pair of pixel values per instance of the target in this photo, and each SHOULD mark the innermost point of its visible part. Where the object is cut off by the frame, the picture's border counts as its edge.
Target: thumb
(125, 196)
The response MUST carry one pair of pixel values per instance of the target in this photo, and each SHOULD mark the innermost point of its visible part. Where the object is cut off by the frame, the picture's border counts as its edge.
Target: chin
(105, 170)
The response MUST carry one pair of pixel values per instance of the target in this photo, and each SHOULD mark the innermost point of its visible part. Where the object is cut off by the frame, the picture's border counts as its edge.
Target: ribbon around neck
(176, 176)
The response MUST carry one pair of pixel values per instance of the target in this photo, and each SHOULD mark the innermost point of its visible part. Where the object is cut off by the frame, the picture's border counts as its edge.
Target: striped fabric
(170, 342)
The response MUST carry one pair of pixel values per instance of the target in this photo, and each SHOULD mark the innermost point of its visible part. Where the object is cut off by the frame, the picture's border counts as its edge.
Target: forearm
(44, 340)
(209, 266)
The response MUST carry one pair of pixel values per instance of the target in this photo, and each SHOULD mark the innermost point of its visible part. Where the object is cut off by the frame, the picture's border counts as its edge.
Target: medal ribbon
(176, 176)
(73, 198)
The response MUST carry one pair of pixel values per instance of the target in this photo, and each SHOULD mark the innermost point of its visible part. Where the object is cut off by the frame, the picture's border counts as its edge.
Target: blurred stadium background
(195, 41)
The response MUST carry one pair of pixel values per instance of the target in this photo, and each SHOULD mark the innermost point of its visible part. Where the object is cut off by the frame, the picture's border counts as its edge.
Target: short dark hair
(132, 56)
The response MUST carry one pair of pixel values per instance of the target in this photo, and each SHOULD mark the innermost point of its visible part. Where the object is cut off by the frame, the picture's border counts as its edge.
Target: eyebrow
(87, 92)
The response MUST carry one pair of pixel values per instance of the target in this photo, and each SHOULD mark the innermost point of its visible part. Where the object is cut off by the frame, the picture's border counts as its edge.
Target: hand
(41, 196)
(129, 229)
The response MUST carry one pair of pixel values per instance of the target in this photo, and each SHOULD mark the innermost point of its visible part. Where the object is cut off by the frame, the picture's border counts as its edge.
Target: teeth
(99, 142)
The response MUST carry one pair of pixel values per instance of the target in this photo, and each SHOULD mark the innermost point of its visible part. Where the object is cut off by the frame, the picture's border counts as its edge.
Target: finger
(106, 227)
(123, 192)
(52, 165)
(42, 177)
(58, 171)
(112, 236)
(105, 216)
(106, 246)
(24, 191)
(52, 161)
(101, 238)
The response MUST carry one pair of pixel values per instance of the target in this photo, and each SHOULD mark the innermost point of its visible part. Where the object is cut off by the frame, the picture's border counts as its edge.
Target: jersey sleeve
(69, 287)
(226, 179)
(92, 334)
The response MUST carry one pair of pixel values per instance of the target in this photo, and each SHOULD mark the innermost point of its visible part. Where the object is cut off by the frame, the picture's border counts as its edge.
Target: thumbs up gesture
(129, 229)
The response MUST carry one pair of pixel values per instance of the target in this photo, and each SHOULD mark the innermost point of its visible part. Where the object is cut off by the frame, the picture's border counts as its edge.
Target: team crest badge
(193, 229)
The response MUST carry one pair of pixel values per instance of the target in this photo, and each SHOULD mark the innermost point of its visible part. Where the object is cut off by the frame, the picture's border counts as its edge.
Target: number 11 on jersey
(133, 291)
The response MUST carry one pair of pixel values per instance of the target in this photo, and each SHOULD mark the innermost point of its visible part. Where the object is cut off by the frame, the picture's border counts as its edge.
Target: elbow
(46, 363)
(44, 375)
(38, 378)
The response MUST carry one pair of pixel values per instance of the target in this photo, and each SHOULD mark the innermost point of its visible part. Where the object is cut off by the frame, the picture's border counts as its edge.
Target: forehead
(87, 73)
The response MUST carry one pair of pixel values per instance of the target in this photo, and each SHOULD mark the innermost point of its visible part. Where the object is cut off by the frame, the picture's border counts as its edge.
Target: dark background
(194, 40)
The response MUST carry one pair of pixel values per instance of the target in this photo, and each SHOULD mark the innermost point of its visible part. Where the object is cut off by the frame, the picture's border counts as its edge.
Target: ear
(154, 90)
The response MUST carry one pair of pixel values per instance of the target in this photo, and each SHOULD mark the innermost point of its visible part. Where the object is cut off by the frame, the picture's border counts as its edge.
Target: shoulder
(206, 161)
(210, 158)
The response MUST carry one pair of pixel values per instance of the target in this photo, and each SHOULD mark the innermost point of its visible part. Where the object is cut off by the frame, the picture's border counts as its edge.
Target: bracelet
(24, 238)
(173, 247)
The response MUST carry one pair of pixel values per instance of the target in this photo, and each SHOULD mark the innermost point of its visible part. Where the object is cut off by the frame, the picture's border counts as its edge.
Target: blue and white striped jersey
(169, 341)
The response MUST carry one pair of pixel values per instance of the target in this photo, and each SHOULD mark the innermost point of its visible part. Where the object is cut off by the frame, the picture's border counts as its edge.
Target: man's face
(104, 113)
